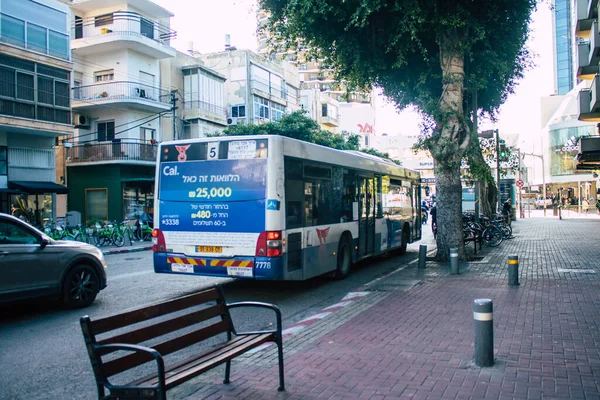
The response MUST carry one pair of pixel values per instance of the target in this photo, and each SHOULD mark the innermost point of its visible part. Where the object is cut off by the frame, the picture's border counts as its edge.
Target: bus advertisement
(271, 207)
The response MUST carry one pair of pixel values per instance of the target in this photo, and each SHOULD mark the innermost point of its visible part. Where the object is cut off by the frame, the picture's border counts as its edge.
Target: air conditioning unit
(81, 121)
(232, 121)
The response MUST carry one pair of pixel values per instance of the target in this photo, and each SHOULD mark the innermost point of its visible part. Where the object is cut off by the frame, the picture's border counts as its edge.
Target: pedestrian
(507, 210)
(433, 216)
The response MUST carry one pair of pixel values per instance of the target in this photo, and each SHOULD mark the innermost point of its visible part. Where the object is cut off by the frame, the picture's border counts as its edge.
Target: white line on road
(129, 275)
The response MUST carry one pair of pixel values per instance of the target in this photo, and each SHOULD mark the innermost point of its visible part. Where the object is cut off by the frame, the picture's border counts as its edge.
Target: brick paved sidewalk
(412, 336)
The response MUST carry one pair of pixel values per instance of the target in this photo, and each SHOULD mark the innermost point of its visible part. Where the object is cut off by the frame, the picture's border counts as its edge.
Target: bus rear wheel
(405, 239)
(344, 258)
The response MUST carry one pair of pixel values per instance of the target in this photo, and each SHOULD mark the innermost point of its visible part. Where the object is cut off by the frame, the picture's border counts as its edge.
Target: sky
(206, 22)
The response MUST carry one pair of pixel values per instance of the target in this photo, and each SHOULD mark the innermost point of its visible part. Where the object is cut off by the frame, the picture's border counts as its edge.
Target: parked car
(34, 265)
(540, 202)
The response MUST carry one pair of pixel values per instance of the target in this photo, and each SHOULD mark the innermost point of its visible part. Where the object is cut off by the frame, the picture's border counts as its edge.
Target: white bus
(271, 207)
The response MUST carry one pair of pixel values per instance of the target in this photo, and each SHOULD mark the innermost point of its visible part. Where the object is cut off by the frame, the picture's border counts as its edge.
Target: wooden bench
(203, 315)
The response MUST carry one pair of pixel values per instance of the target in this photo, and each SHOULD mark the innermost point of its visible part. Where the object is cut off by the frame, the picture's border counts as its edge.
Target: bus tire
(344, 258)
(405, 239)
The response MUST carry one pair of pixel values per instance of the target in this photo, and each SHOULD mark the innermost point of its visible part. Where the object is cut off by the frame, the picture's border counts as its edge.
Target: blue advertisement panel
(213, 196)
(213, 181)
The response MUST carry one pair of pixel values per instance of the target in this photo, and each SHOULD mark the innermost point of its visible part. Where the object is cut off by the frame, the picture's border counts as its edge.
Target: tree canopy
(433, 54)
(298, 125)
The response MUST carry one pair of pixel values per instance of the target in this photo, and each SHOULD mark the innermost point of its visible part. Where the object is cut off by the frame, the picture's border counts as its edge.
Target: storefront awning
(35, 187)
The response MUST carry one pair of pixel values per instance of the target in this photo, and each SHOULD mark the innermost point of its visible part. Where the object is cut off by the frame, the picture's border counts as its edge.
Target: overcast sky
(206, 22)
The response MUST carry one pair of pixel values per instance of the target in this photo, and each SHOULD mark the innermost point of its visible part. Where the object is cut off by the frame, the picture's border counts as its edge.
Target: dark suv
(34, 265)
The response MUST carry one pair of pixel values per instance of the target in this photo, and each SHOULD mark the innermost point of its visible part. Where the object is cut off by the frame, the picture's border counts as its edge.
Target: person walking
(507, 210)
(433, 216)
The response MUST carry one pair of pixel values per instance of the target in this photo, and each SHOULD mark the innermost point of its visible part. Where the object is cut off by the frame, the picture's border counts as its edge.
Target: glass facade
(34, 26)
(564, 146)
(564, 47)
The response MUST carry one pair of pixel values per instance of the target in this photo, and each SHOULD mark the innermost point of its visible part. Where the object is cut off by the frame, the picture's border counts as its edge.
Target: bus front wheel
(344, 258)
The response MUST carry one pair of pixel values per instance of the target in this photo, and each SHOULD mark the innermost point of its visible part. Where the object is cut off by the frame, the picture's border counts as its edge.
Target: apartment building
(201, 100)
(119, 104)
(256, 90)
(326, 100)
(35, 106)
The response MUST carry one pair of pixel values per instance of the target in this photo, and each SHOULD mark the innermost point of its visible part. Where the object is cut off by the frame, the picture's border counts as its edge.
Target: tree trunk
(449, 147)
(449, 212)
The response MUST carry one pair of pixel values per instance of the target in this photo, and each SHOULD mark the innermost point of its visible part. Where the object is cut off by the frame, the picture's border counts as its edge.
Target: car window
(12, 233)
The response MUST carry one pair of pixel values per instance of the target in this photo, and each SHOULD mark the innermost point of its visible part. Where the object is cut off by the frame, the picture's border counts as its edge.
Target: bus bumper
(263, 268)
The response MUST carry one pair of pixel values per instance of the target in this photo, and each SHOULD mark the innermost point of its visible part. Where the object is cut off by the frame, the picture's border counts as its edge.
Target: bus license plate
(209, 249)
(239, 271)
(182, 268)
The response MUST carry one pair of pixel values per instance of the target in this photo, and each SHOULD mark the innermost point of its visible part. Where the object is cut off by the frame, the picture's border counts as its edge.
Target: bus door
(366, 216)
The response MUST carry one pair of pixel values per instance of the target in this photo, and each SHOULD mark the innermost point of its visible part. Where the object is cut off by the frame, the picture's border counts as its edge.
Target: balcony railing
(120, 90)
(122, 22)
(116, 150)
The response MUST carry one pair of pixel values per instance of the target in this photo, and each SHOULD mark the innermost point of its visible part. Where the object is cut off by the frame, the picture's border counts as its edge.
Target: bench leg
(280, 354)
(227, 371)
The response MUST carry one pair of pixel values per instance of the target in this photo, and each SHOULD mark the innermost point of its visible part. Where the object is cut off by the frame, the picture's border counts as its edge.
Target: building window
(147, 28)
(18, 80)
(96, 204)
(105, 131)
(101, 20)
(261, 108)
(147, 135)
(104, 76)
(277, 111)
(238, 111)
(3, 160)
(12, 30)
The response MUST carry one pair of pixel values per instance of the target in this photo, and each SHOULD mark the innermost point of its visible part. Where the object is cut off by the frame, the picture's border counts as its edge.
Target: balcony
(135, 95)
(585, 71)
(330, 121)
(589, 102)
(122, 30)
(118, 151)
(587, 12)
(196, 109)
(594, 52)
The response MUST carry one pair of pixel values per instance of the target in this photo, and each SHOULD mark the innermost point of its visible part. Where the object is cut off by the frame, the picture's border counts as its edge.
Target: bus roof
(314, 152)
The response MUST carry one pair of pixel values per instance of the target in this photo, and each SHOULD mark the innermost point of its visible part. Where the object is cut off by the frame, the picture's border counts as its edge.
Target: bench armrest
(109, 348)
(260, 305)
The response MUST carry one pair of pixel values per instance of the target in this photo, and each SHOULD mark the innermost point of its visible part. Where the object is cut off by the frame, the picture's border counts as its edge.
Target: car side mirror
(44, 243)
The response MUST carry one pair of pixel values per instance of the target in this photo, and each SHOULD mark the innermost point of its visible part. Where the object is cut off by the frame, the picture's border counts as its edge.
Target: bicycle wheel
(98, 239)
(492, 236)
(506, 230)
(117, 238)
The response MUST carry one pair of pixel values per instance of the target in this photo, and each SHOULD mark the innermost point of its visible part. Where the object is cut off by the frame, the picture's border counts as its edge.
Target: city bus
(275, 208)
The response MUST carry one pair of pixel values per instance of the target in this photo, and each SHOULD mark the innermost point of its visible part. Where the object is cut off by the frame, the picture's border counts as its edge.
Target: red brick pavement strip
(419, 343)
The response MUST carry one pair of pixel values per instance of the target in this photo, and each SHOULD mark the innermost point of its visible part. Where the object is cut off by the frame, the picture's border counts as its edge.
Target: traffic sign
(520, 183)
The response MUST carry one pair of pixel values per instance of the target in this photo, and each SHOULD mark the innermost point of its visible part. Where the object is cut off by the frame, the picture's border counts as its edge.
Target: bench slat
(132, 360)
(153, 311)
(194, 366)
(153, 331)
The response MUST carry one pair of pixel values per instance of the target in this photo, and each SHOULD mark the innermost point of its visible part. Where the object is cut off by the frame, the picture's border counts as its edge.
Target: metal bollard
(422, 255)
(513, 270)
(483, 310)
(454, 261)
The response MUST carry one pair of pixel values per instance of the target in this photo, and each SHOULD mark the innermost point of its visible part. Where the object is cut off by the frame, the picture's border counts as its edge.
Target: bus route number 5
(212, 151)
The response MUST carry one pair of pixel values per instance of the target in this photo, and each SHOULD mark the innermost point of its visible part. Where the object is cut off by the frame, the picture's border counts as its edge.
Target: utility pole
(174, 111)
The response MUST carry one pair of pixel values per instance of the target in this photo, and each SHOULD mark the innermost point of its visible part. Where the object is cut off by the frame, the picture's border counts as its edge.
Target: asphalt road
(42, 352)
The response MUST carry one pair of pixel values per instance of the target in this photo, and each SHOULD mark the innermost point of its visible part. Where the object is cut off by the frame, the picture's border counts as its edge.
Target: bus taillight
(269, 244)
(158, 241)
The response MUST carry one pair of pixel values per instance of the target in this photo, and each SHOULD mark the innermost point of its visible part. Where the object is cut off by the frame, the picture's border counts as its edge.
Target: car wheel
(80, 286)
(344, 258)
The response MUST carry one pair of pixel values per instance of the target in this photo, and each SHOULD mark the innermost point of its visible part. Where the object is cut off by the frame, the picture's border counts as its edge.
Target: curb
(130, 250)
